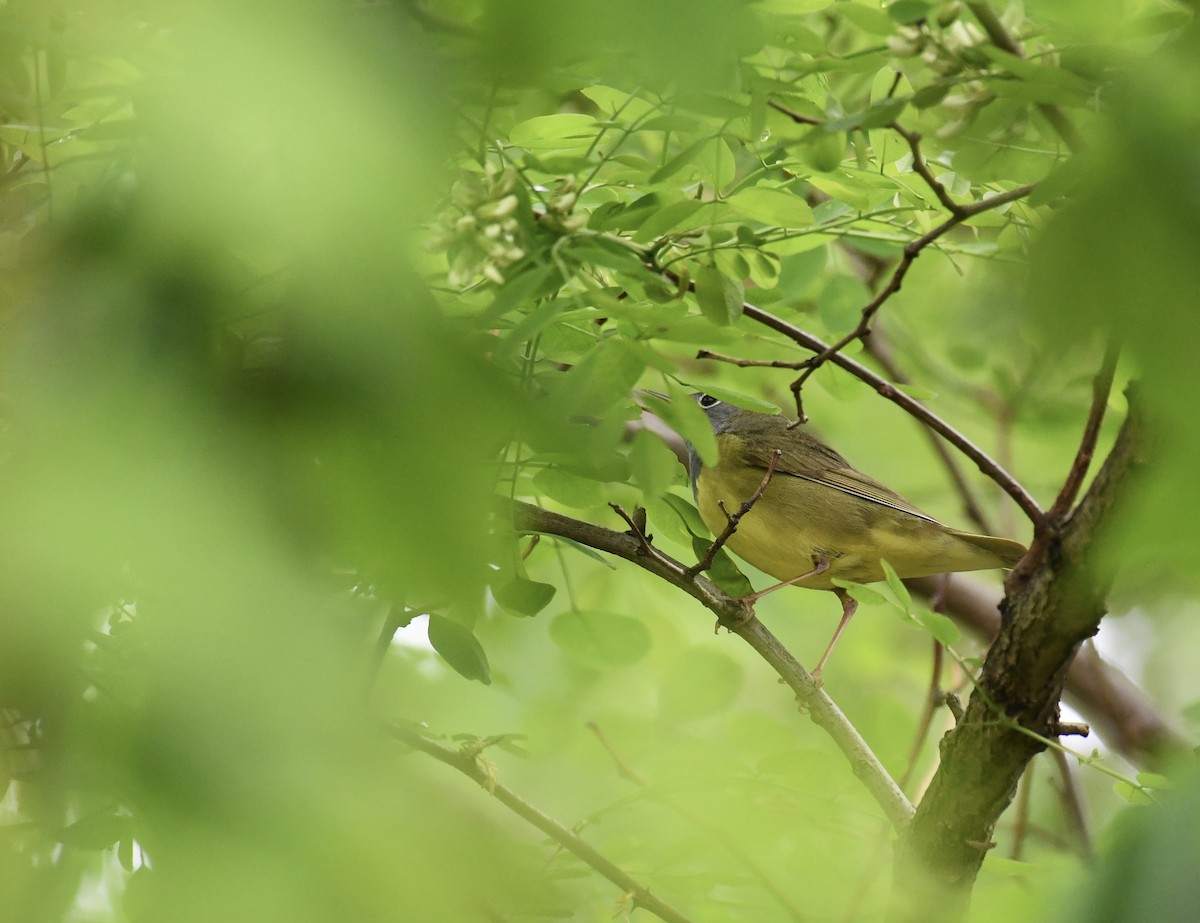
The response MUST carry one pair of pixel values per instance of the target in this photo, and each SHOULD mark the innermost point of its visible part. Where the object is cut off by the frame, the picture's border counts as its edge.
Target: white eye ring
(707, 400)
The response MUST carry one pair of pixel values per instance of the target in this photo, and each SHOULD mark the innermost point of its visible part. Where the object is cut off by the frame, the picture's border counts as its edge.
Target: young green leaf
(723, 572)
(522, 596)
(772, 206)
(601, 639)
(719, 296)
(897, 587)
(459, 648)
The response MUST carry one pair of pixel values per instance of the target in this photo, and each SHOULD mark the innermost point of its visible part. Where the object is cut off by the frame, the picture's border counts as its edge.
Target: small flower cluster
(486, 237)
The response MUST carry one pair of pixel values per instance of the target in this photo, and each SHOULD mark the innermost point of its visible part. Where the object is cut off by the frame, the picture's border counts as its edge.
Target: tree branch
(730, 611)
(1048, 615)
(466, 761)
(958, 214)
(1101, 388)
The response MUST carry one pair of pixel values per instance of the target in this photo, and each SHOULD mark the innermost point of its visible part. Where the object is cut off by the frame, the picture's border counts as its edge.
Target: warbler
(817, 518)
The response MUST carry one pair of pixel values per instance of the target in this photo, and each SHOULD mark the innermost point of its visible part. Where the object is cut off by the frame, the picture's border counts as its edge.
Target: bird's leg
(820, 565)
(849, 605)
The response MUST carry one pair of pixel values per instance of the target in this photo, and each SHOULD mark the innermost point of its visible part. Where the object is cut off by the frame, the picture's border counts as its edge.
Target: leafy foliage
(291, 300)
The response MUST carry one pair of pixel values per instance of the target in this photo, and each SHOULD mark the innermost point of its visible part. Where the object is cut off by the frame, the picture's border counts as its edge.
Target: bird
(816, 518)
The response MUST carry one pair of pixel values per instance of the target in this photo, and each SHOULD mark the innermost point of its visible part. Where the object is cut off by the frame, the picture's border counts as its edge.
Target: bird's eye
(707, 400)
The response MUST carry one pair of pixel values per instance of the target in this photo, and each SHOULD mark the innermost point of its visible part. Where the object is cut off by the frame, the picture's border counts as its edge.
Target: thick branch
(1049, 615)
(1117, 710)
(730, 611)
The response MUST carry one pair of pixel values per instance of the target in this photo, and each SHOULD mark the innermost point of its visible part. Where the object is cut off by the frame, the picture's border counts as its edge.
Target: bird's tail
(1006, 551)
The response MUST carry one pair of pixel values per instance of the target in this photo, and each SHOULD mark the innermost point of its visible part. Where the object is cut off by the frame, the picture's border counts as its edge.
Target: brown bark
(1055, 602)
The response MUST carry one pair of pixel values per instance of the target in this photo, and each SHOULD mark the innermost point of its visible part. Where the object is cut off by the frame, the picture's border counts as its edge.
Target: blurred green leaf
(522, 596)
(460, 648)
(601, 640)
(96, 832)
(700, 683)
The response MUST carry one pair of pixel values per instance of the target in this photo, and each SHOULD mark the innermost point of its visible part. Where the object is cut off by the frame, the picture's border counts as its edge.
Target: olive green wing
(802, 456)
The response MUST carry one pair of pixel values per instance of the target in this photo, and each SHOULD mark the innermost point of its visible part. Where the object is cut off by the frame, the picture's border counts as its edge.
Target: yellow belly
(798, 523)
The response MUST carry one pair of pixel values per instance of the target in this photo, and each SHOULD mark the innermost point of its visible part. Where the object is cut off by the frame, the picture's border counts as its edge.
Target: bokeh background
(291, 292)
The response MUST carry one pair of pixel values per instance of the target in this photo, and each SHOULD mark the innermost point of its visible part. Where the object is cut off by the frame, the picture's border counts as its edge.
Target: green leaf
(838, 188)
(897, 586)
(1153, 780)
(459, 648)
(942, 629)
(720, 297)
(685, 416)
(96, 832)
(631, 216)
(862, 593)
(653, 465)
(689, 515)
(716, 163)
(684, 158)
(870, 19)
(1131, 793)
(775, 207)
(929, 96)
(563, 130)
(522, 596)
(906, 11)
(723, 572)
(601, 639)
(568, 489)
(614, 101)
(667, 218)
(702, 682)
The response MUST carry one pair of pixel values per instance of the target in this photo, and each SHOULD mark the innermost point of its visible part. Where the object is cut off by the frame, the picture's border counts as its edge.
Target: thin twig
(638, 531)
(1021, 816)
(699, 820)
(1072, 800)
(1101, 389)
(793, 114)
(934, 699)
(467, 762)
(732, 521)
(921, 166)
